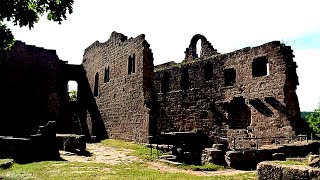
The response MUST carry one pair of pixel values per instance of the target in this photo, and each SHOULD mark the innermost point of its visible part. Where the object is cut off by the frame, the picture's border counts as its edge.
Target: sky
(169, 26)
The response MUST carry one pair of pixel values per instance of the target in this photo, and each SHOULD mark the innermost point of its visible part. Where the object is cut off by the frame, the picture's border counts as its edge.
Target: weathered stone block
(223, 147)
(71, 142)
(268, 171)
(279, 156)
(211, 155)
(314, 174)
(293, 173)
(315, 162)
(241, 159)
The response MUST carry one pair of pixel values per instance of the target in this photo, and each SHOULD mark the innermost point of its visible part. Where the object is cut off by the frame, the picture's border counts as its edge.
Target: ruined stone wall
(120, 74)
(28, 93)
(187, 102)
(225, 94)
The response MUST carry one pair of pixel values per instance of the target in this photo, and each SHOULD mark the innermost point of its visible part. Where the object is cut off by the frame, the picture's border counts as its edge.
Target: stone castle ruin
(248, 93)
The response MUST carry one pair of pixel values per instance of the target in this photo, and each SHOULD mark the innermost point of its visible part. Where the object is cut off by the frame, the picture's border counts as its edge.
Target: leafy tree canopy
(73, 95)
(28, 12)
(314, 120)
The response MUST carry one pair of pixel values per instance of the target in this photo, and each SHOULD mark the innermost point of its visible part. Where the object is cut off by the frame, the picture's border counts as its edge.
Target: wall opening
(165, 83)
(239, 114)
(260, 67)
(96, 85)
(198, 48)
(184, 83)
(208, 71)
(229, 77)
(132, 64)
(72, 90)
(106, 74)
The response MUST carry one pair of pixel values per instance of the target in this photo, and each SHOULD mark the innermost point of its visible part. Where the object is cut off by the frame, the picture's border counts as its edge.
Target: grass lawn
(74, 170)
(67, 170)
(292, 162)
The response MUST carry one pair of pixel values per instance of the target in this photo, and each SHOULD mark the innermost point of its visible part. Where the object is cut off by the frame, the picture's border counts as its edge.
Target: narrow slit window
(106, 75)
(96, 85)
(132, 64)
(229, 77)
(198, 48)
(260, 67)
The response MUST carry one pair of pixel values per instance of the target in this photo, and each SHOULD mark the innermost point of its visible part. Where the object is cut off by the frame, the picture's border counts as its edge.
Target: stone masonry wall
(28, 93)
(246, 93)
(120, 73)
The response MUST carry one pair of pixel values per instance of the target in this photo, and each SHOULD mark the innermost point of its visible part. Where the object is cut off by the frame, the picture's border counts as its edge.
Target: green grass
(56, 170)
(206, 167)
(292, 162)
(51, 170)
(139, 150)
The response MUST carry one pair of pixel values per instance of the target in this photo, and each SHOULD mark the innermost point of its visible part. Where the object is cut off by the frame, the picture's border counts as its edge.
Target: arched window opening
(198, 48)
(106, 75)
(132, 64)
(96, 85)
(72, 90)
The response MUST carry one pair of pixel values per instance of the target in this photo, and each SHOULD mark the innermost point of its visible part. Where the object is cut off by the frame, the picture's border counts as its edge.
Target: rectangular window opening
(208, 71)
(165, 83)
(260, 67)
(229, 77)
(184, 83)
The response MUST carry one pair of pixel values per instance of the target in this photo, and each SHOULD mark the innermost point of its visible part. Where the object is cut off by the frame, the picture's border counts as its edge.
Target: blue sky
(307, 51)
(169, 26)
(309, 40)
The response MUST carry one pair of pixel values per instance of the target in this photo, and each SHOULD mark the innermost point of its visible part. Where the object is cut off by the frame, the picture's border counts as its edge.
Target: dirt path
(102, 154)
(111, 155)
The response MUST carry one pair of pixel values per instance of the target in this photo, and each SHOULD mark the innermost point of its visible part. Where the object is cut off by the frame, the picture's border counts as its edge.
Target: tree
(27, 12)
(73, 95)
(314, 120)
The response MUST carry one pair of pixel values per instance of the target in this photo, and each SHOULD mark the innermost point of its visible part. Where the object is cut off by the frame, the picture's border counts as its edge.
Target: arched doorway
(239, 114)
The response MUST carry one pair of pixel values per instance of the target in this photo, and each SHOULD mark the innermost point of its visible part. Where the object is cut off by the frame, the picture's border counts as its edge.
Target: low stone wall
(36, 147)
(248, 159)
(268, 170)
(215, 156)
(300, 149)
(16, 148)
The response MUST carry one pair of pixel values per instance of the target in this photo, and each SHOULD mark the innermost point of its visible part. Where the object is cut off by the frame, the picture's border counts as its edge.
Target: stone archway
(206, 48)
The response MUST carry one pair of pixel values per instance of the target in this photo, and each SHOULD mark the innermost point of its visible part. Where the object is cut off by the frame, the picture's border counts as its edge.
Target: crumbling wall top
(28, 51)
(116, 39)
